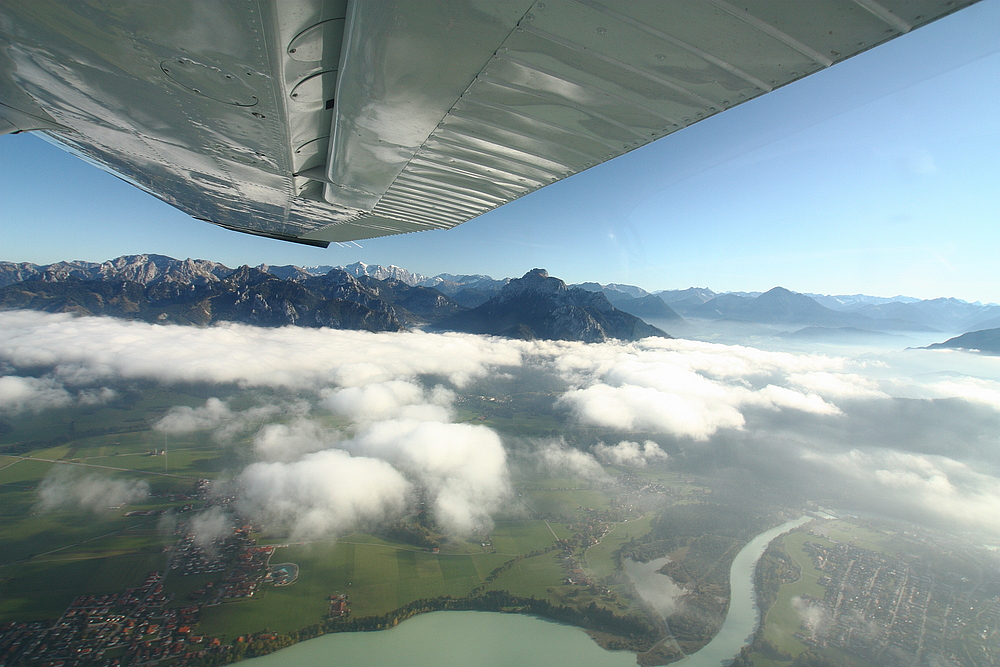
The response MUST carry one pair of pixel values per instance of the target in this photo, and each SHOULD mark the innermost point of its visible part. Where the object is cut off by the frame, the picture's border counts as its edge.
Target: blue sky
(880, 175)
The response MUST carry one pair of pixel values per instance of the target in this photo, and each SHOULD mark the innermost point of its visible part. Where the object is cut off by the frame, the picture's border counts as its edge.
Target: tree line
(637, 630)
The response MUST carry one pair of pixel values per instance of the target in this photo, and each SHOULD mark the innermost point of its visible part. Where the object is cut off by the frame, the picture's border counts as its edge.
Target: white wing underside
(316, 122)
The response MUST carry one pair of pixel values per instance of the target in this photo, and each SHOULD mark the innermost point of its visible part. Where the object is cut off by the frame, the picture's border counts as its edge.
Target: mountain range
(397, 297)
(784, 307)
(155, 288)
(540, 306)
(986, 341)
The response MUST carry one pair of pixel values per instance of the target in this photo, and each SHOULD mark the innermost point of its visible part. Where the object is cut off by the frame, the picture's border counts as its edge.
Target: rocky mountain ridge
(141, 269)
(538, 305)
(155, 288)
(245, 295)
(784, 307)
(986, 341)
(857, 311)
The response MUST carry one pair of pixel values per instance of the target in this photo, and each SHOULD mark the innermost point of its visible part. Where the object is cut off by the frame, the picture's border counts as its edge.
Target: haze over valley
(214, 425)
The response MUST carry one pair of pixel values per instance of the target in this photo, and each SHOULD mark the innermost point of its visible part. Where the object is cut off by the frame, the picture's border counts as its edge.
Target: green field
(600, 557)
(564, 502)
(849, 533)
(376, 575)
(533, 576)
(39, 590)
(49, 557)
(519, 537)
(782, 621)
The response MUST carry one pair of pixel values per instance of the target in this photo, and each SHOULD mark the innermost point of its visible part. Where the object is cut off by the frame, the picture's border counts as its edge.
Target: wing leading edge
(325, 121)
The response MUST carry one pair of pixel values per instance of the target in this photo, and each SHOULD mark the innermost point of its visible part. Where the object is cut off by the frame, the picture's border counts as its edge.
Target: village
(144, 626)
(136, 626)
(898, 611)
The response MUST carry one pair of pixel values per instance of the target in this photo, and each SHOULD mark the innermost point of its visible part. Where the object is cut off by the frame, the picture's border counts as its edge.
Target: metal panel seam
(887, 15)
(666, 83)
(522, 63)
(563, 102)
(769, 29)
(450, 111)
(670, 39)
(510, 110)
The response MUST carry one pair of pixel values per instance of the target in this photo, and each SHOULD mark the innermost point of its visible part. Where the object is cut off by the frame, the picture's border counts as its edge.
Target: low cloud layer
(209, 526)
(370, 431)
(557, 458)
(184, 419)
(226, 424)
(31, 394)
(66, 489)
(918, 485)
(461, 467)
(658, 590)
(20, 394)
(289, 442)
(324, 493)
(693, 389)
(89, 348)
(812, 617)
(390, 400)
(631, 454)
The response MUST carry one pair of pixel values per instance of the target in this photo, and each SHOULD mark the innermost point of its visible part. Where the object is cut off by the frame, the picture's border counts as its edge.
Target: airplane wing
(320, 121)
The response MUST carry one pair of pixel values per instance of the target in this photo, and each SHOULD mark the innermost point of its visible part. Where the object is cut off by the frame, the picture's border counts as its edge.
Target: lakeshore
(451, 637)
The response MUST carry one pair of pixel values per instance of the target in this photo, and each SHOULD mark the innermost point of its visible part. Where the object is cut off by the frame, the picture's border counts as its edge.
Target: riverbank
(743, 616)
(626, 634)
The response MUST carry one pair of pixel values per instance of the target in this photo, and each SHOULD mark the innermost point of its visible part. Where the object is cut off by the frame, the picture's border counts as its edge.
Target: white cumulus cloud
(632, 454)
(558, 458)
(288, 442)
(390, 400)
(21, 394)
(461, 467)
(323, 494)
(67, 489)
(693, 389)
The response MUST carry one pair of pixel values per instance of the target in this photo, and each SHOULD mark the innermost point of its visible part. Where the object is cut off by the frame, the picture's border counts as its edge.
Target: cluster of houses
(143, 625)
(242, 563)
(905, 609)
(190, 556)
(139, 625)
(338, 606)
(249, 566)
(588, 533)
(136, 625)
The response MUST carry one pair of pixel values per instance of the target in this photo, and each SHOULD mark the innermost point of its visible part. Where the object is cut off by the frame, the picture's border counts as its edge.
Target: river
(743, 615)
(484, 639)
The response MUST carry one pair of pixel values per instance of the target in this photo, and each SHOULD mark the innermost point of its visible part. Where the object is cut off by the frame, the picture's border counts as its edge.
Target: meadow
(49, 557)
(782, 620)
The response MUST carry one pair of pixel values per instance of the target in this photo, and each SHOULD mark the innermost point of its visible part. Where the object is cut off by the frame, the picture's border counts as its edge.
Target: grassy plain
(42, 589)
(520, 537)
(860, 536)
(377, 576)
(782, 621)
(49, 557)
(600, 558)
